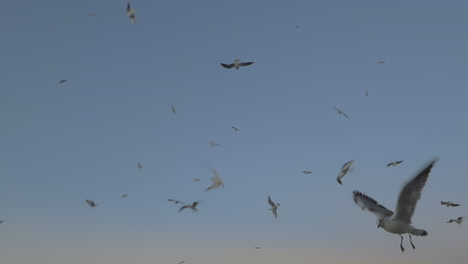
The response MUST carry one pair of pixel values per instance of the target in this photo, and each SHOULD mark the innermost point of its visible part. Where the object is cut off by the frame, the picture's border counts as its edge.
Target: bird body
(91, 203)
(459, 220)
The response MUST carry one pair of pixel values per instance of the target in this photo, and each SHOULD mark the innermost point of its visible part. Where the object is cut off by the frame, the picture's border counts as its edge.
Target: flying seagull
(217, 182)
(296, 26)
(237, 64)
(193, 206)
(175, 201)
(367, 93)
(381, 62)
(91, 203)
(90, 14)
(394, 163)
(212, 143)
(181, 262)
(131, 13)
(274, 207)
(139, 166)
(196, 180)
(341, 112)
(459, 220)
(448, 204)
(400, 221)
(3, 220)
(173, 109)
(306, 172)
(235, 128)
(62, 81)
(257, 247)
(344, 170)
(124, 195)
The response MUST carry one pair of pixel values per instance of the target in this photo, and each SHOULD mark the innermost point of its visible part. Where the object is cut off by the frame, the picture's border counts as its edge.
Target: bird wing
(410, 195)
(270, 202)
(398, 162)
(344, 114)
(460, 218)
(128, 7)
(368, 204)
(90, 203)
(390, 164)
(227, 66)
(454, 205)
(344, 170)
(183, 207)
(274, 212)
(246, 63)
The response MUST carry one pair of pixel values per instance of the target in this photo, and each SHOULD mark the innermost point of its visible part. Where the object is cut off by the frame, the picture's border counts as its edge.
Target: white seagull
(459, 220)
(274, 207)
(400, 221)
(237, 64)
(344, 170)
(448, 204)
(131, 13)
(394, 163)
(217, 182)
(341, 112)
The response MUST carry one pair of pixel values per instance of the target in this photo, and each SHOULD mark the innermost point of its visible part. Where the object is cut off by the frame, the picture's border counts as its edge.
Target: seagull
(235, 128)
(400, 221)
(173, 109)
(124, 195)
(175, 201)
(381, 62)
(131, 13)
(90, 14)
(274, 207)
(217, 181)
(62, 81)
(459, 220)
(139, 166)
(212, 143)
(237, 64)
(448, 204)
(296, 26)
(367, 93)
(306, 172)
(344, 170)
(196, 180)
(341, 112)
(193, 206)
(257, 247)
(396, 162)
(3, 220)
(91, 203)
(181, 262)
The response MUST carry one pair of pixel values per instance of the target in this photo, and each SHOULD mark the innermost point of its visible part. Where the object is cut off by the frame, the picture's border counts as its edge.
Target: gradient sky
(82, 139)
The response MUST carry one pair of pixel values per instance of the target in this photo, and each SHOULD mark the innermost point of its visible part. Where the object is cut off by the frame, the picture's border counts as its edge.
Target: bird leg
(411, 241)
(401, 244)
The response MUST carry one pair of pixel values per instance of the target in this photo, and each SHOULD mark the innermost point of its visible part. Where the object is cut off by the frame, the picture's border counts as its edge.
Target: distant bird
(344, 169)
(459, 220)
(91, 203)
(296, 26)
(237, 64)
(131, 13)
(90, 14)
(448, 204)
(341, 112)
(175, 201)
(257, 247)
(124, 195)
(381, 62)
(306, 172)
(62, 81)
(181, 262)
(274, 207)
(139, 166)
(394, 163)
(196, 180)
(235, 128)
(367, 93)
(193, 206)
(212, 143)
(3, 220)
(217, 182)
(400, 221)
(173, 109)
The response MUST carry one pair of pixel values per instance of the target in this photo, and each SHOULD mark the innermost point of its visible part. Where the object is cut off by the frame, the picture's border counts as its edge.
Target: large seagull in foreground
(400, 221)
(237, 64)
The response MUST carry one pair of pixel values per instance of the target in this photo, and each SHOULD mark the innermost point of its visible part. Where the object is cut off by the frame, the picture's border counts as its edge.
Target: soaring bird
(257, 247)
(306, 172)
(400, 221)
(394, 163)
(274, 207)
(237, 64)
(217, 182)
(448, 204)
(341, 112)
(3, 220)
(344, 169)
(131, 13)
(196, 180)
(459, 220)
(139, 166)
(62, 81)
(193, 206)
(173, 109)
(91, 203)
(212, 143)
(183, 261)
(124, 195)
(235, 128)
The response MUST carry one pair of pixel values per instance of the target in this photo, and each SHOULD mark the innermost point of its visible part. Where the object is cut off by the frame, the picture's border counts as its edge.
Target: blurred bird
(139, 166)
(274, 207)
(459, 220)
(448, 204)
(341, 112)
(90, 14)
(124, 195)
(257, 247)
(235, 128)
(193, 206)
(217, 182)
(212, 143)
(306, 172)
(3, 220)
(296, 26)
(62, 81)
(181, 262)
(344, 169)
(175, 201)
(91, 203)
(196, 180)
(131, 13)
(367, 93)
(381, 62)
(237, 64)
(394, 163)
(173, 109)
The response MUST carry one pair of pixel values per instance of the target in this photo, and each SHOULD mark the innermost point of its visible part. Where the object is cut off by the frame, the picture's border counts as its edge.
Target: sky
(62, 143)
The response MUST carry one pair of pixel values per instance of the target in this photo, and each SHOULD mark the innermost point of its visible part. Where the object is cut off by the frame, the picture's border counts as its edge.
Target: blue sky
(82, 139)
